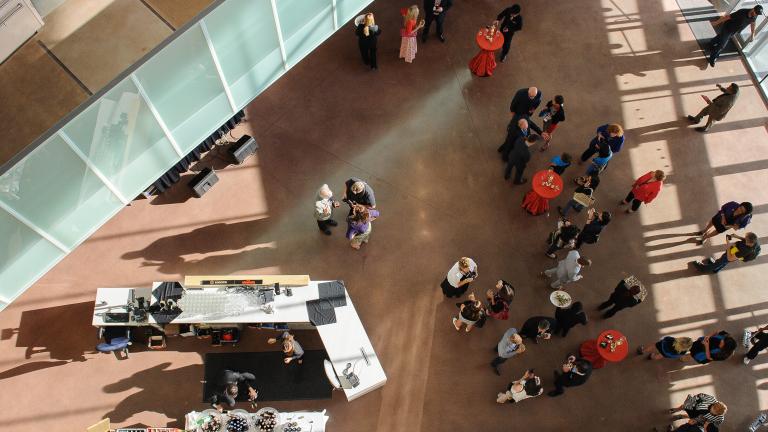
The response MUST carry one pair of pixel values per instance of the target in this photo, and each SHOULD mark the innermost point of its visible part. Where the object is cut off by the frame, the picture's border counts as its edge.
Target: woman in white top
(459, 277)
(526, 387)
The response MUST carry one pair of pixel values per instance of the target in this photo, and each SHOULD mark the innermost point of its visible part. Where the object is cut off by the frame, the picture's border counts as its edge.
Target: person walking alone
(435, 10)
(716, 108)
(510, 345)
(733, 24)
(628, 293)
(510, 22)
(644, 190)
(567, 270)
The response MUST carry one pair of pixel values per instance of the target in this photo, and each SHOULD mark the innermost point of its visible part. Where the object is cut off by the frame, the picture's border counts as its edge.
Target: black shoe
(331, 222)
(554, 393)
(442, 38)
(496, 370)
(693, 119)
(327, 231)
(711, 62)
(502, 59)
(702, 129)
(522, 181)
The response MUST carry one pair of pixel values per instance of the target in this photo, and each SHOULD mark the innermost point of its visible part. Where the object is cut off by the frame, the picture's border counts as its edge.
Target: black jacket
(370, 40)
(520, 153)
(522, 105)
(508, 24)
(572, 379)
(429, 4)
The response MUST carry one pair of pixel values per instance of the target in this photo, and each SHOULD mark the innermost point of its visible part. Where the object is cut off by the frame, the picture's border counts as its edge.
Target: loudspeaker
(243, 148)
(203, 181)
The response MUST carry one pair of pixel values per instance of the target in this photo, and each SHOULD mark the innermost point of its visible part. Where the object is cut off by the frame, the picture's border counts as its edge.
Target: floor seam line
(64, 67)
(157, 14)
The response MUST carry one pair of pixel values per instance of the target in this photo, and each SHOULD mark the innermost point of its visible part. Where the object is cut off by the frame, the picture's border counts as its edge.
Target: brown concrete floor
(424, 135)
(83, 45)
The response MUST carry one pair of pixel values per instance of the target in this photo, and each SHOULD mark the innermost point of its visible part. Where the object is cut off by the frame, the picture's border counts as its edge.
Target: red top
(492, 45)
(646, 188)
(619, 352)
(408, 30)
(547, 191)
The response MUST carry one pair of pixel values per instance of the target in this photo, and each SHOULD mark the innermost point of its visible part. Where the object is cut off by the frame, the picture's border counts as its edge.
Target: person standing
(358, 192)
(715, 347)
(510, 345)
(519, 157)
(732, 215)
(538, 327)
(499, 300)
(470, 312)
(568, 318)
(528, 386)
(524, 103)
(644, 190)
(759, 339)
(567, 270)
(746, 249)
(367, 36)
(716, 109)
(583, 196)
(324, 205)
(596, 221)
(563, 237)
(701, 409)
(575, 372)
(457, 281)
(359, 225)
(560, 163)
(667, 347)
(435, 10)
(229, 384)
(733, 24)
(600, 161)
(510, 22)
(517, 128)
(292, 350)
(628, 293)
(611, 134)
(408, 33)
(552, 115)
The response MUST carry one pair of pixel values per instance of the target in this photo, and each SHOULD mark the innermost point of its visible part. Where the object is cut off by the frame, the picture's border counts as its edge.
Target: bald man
(525, 102)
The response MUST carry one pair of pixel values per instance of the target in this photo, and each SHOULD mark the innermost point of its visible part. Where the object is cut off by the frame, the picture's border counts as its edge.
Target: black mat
(333, 291)
(275, 380)
(698, 14)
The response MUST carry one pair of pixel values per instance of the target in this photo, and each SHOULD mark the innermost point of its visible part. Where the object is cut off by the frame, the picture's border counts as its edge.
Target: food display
(560, 298)
(237, 424)
(212, 424)
(292, 427)
(266, 420)
(549, 182)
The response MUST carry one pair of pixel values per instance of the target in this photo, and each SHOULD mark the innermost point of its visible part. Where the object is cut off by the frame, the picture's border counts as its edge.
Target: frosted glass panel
(54, 189)
(244, 35)
(305, 24)
(348, 9)
(24, 256)
(181, 81)
(122, 139)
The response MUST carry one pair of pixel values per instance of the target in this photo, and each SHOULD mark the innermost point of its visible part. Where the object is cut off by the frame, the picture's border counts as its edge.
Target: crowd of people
(701, 412)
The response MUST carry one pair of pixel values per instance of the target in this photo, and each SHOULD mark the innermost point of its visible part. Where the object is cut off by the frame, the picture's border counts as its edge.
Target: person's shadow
(172, 392)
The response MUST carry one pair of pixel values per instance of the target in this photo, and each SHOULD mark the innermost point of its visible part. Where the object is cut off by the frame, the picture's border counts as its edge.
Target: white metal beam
(279, 34)
(108, 183)
(156, 114)
(215, 57)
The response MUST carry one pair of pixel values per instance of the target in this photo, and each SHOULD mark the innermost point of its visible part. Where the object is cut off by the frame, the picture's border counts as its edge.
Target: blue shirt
(506, 348)
(614, 142)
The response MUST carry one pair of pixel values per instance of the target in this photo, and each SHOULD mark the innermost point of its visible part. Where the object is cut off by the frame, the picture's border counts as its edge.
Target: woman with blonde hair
(667, 347)
(367, 37)
(408, 33)
(457, 281)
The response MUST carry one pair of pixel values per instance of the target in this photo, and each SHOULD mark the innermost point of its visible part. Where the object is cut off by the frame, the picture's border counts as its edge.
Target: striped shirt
(702, 402)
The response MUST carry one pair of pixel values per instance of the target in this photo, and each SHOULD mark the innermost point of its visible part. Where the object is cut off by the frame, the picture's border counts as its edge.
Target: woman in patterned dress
(408, 33)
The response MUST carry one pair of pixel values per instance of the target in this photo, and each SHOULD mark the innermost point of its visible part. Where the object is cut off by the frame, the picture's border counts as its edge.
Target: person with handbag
(583, 196)
(644, 190)
(563, 237)
(499, 300)
(528, 386)
(471, 312)
(596, 222)
(510, 345)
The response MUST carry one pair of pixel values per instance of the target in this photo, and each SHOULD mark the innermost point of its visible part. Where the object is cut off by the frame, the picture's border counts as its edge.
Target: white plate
(553, 298)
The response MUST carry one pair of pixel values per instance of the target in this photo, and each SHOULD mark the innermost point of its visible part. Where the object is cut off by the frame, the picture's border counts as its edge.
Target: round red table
(484, 62)
(546, 185)
(604, 349)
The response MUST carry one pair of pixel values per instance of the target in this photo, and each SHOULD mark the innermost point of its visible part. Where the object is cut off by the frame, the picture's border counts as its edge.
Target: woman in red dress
(644, 190)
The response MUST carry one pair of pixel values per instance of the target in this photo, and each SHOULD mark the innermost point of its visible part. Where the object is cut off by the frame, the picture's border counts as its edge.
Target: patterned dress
(408, 41)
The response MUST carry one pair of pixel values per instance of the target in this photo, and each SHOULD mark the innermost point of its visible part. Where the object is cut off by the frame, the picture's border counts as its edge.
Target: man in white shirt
(567, 270)
(324, 205)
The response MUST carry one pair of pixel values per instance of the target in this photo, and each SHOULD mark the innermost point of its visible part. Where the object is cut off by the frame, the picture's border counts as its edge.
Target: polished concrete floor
(425, 135)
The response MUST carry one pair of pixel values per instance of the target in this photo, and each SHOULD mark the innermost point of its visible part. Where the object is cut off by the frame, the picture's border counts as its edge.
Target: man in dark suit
(434, 10)
(515, 129)
(519, 157)
(576, 371)
(510, 22)
(525, 102)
